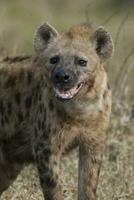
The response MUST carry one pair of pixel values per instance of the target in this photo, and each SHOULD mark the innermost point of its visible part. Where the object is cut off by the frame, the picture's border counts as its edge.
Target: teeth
(68, 94)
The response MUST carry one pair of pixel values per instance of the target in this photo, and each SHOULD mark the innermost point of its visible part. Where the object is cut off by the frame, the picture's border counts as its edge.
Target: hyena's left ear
(43, 36)
(103, 44)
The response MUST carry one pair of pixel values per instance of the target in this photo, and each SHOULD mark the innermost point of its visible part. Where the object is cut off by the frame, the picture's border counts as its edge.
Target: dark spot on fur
(17, 98)
(56, 176)
(108, 86)
(21, 75)
(55, 163)
(20, 117)
(43, 125)
(2, 108)
(46, 158)
(45, 134)
(54, 130)
(6, 119)
(38, 88)
(35, 132)
(28, 102)
(91, 84)
(9, 108)
(10, 82)
(2, 122)
(47, 150)
(51, 106)
(36, 93)
(29, 78)
(59, 146)
(48, 128)
(42, 167)
(35, 99)
(39, 124)
(41, 107)
(104, 94)
(94, 190)
(39, 97)
(61, 113)
(38, 147)
(44, 117)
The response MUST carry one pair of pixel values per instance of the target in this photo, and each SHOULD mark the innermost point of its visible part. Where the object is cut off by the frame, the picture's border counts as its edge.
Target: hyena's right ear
(103, 44)
(43, 36)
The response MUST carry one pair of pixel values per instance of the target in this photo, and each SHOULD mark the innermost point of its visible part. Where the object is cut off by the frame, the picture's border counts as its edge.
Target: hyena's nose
(62, 77)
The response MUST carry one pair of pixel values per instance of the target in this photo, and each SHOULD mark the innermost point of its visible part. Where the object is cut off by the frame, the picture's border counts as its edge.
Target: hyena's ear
(43, 36)
(103, 44)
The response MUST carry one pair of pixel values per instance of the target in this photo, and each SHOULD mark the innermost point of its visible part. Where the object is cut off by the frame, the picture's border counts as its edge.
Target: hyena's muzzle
(65, 83)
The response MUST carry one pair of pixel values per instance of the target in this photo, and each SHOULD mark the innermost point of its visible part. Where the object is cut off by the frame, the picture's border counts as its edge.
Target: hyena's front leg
(90, 157)
(47, 157)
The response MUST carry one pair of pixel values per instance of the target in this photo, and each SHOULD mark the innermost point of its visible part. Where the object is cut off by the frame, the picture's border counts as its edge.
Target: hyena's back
(15, 105)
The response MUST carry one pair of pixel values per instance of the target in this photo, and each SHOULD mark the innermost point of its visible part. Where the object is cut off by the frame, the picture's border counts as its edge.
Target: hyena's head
(74, 59)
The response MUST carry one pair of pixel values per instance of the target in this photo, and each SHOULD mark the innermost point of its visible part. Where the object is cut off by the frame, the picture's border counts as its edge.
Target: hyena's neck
(89, 106)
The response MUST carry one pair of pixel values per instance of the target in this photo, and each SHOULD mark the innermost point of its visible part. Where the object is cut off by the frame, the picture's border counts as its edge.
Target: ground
(117, 175)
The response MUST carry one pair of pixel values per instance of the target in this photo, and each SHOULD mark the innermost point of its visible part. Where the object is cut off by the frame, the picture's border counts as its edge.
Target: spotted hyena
(54, 101)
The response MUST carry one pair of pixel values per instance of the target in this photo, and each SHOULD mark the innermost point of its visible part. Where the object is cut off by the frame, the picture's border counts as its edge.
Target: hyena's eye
(82, 62)
(54, 60)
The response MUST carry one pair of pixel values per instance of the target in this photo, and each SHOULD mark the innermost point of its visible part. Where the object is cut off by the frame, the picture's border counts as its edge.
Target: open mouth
(68, 94)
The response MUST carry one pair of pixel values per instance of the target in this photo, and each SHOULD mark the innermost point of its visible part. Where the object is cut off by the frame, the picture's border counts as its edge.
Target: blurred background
(18, 22)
